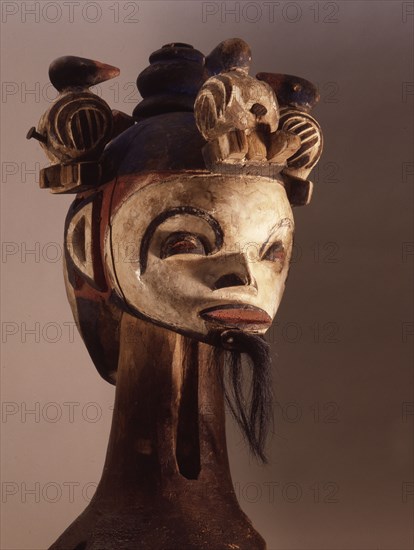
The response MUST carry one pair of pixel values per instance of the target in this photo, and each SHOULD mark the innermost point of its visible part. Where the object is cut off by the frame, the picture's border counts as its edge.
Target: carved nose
(231, 279)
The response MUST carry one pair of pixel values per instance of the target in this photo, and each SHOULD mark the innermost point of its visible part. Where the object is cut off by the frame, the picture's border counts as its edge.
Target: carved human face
(197, 252)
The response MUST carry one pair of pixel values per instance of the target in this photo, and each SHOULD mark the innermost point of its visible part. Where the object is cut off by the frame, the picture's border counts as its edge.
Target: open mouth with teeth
(237, 315)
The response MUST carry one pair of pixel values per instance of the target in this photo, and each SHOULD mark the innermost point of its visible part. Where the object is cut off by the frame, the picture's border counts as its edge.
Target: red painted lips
(237, 315)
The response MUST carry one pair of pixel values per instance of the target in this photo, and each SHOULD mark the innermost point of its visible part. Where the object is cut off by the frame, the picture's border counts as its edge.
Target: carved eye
(297, 87)
(276, 252)
(182, 243)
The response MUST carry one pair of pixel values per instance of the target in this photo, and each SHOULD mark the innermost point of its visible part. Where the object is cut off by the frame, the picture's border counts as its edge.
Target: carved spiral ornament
(78, 126)
(307, 128)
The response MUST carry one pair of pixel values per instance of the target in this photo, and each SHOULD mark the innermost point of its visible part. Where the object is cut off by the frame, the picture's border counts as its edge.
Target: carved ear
(82, 241)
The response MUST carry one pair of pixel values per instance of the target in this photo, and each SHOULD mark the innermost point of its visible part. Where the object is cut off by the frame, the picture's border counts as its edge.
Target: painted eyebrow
(285, 222)
(149, 232)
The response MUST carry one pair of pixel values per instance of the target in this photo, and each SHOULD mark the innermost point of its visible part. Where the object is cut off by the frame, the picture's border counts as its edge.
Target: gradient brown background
(340, 474)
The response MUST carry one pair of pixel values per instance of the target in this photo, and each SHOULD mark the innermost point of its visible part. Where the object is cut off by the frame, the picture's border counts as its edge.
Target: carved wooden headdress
(197, 112)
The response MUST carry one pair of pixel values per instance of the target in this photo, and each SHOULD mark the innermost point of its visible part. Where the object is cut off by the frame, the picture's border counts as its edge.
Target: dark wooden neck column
(168, 424)
(166, 482)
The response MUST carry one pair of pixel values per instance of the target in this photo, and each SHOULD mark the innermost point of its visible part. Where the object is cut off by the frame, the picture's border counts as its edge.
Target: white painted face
(198, 252)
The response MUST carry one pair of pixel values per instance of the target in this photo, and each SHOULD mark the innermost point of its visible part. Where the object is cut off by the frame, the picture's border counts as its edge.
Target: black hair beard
(252, 410)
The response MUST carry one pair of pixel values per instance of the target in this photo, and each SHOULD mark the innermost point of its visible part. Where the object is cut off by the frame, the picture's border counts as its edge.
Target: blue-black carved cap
(165, 136)
(170, 141)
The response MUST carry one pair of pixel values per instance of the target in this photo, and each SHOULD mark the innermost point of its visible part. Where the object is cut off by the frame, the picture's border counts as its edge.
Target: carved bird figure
(79, 124)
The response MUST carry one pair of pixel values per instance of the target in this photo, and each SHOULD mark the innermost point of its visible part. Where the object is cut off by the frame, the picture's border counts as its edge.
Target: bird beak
(104, 72)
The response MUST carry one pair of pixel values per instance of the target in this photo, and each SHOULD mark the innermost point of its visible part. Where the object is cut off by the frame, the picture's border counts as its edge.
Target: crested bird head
(292, 91)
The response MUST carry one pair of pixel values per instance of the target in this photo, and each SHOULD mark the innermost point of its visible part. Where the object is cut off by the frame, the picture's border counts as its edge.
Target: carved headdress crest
(220, 119)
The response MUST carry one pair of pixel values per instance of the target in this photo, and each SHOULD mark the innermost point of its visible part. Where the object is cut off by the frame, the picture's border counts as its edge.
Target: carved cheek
(270, 280)
(177, 277)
